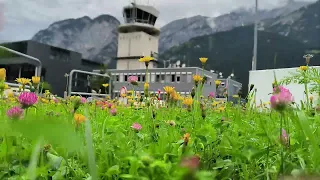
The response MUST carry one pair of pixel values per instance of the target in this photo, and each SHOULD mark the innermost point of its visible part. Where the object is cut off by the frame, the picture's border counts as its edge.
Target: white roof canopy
(149, 9)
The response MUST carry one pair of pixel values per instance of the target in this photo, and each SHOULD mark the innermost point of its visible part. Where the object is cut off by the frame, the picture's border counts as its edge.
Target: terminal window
(178, 78)
(189, 78)
(116, 78)
(173, 78)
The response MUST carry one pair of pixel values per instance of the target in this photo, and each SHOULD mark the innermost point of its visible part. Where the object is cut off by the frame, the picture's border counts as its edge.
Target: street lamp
(165, 62)
(255, 39)
(308, 57)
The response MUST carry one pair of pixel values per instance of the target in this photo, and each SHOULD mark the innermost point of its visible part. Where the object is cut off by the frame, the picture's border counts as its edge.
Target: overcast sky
(21, 19)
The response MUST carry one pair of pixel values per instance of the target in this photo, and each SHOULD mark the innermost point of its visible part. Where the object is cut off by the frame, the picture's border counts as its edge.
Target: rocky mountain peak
(182, 30)
(95, 38)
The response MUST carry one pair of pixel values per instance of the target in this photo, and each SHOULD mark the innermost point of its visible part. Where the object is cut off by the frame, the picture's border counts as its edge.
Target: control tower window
(128, 15)
(142, 16)
(152, 19)
(139, 15)
(145, 16)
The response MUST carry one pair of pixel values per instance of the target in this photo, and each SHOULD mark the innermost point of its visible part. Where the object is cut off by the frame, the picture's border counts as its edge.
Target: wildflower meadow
(189, 138)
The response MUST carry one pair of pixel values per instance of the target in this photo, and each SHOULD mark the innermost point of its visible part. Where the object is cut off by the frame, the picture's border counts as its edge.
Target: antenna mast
(255, 37)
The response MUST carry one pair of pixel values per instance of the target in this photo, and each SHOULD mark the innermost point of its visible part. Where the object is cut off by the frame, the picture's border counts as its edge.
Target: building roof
(91, 61)
(135, 57)
(6, 44)
(14, 56)
(150, 9)
(182, 69)
(19, 60)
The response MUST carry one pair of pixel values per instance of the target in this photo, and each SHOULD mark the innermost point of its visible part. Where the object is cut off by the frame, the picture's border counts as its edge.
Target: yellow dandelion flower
(311, 98)
(35, 79)
(2, 74)
(221, 108)
(146, 85)
(43, 100)
(105, 85)
(188, 101)
(203, 60)
(303, 68)
(23, 81)
(79, 118)
(175, 95)
(168, 89)
(197, 78)
(131, 101)
(215, 103)
(186, 138)
(266, 103)
(10, 94)
(217, 82)
(146, 59)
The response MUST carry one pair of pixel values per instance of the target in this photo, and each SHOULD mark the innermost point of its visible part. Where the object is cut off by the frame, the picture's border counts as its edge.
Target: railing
(221, 99)
(16, 85)
(89, 94)
(38, 68)
(70, 92)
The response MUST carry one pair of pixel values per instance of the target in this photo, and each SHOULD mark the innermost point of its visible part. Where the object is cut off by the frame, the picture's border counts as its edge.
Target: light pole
(255, 39)
(165, 62)
(308, 57)
(232, 75)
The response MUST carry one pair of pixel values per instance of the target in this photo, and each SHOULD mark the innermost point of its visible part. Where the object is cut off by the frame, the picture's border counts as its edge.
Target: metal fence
(70, 92)
(38, 67)
(16, 85)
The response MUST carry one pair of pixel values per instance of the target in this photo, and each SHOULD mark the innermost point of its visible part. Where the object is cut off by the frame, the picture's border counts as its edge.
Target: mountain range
(182, 30)
(96, 38)
(229, 52)
(282, 42)
(286, 32)
(302, 24)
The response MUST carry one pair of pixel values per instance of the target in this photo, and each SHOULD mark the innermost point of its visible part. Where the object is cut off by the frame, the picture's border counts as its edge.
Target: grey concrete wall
(234, 87)
(18, 60)
(207, 89)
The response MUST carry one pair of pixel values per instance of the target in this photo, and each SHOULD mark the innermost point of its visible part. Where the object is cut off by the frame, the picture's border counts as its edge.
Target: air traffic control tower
(138, 37)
